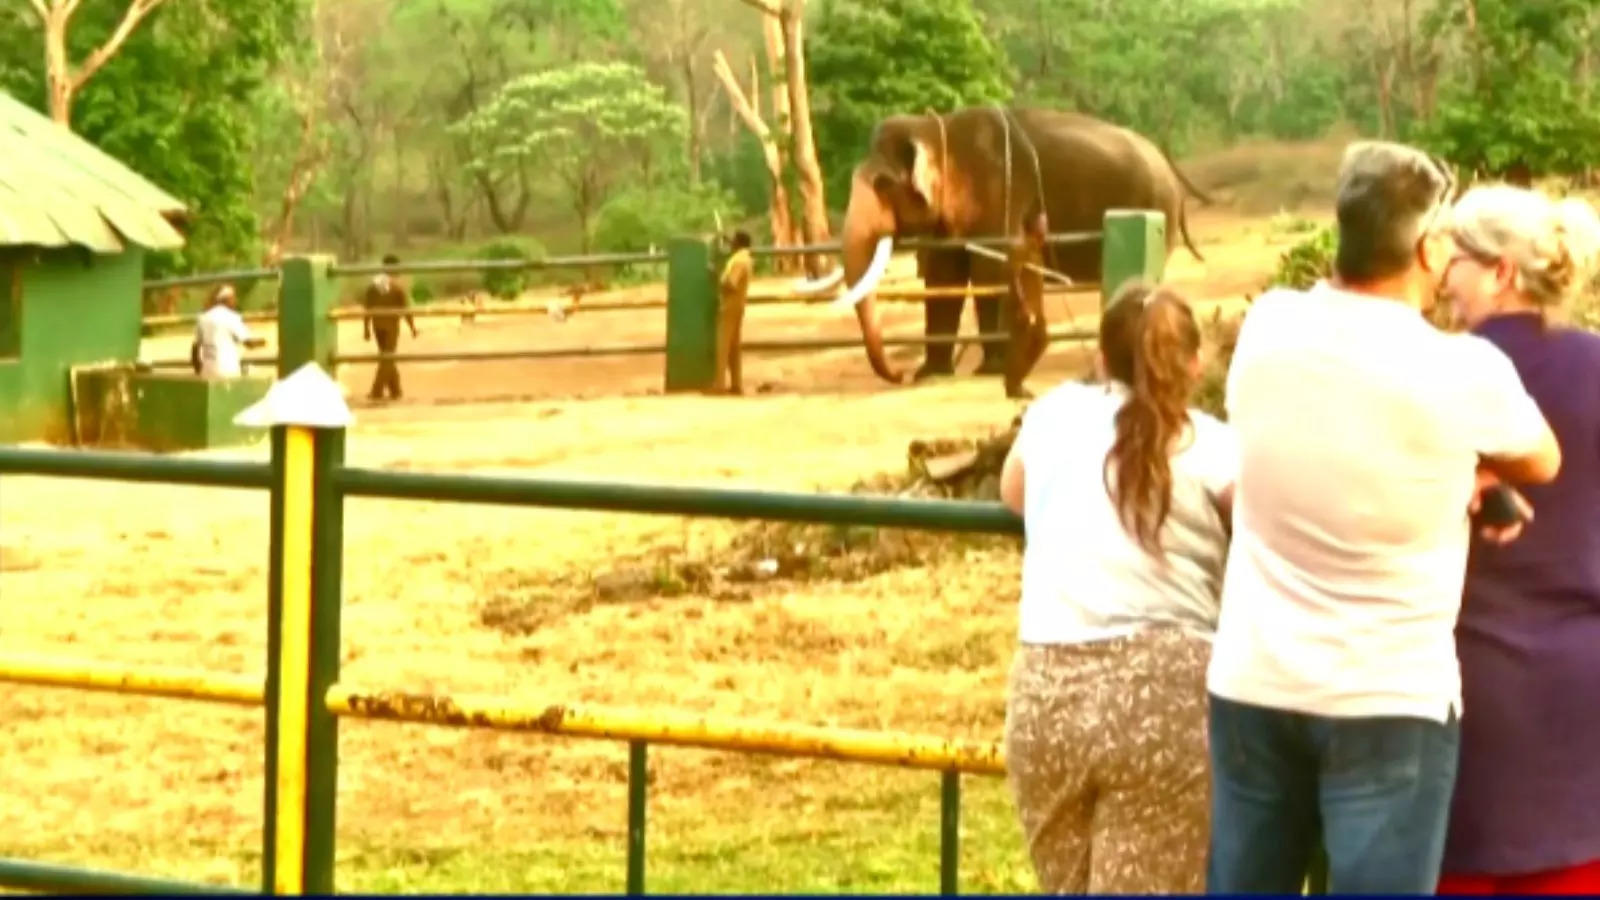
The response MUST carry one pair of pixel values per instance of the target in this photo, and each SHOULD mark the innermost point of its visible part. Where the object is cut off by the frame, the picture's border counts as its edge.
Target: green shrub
(1307, 262)
(637, 218)
(507, 284)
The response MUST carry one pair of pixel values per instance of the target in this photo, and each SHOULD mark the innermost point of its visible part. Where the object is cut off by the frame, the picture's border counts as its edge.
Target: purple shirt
(1527, 795)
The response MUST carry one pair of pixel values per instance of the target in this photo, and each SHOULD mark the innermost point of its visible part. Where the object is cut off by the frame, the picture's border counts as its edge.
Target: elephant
(987, 171)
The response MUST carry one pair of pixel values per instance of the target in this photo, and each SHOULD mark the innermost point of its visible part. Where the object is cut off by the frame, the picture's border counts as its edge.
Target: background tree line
(363, 126)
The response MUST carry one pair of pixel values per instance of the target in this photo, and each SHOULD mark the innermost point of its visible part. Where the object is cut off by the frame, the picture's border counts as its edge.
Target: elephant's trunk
(866, 244)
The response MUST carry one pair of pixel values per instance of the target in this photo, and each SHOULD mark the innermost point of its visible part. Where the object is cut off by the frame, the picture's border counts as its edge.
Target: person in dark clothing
(385, 295)
(1525, 815)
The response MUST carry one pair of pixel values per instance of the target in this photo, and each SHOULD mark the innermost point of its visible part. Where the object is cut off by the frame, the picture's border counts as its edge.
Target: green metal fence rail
(1133, 245)
(303, 698)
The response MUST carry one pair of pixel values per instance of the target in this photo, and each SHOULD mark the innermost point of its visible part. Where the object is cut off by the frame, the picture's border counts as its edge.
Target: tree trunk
(778, 194)
(62, 83)
(694, 118)
(58, 72)
(813, 198)
(308, 160)
(772, 34)
(400, 226)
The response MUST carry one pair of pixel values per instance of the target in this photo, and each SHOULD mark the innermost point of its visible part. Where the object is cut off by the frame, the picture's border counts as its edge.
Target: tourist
(1526, 813)
(1124, 492)
(220, 333)
(732, 289)
(386, 296)
(1335, 690)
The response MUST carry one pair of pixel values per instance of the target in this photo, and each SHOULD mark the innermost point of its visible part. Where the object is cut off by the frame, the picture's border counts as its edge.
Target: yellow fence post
(307, 414)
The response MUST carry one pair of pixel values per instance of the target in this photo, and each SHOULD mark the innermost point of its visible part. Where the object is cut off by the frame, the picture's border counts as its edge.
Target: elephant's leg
(1029, 333)
(942, 317)
(993, 311)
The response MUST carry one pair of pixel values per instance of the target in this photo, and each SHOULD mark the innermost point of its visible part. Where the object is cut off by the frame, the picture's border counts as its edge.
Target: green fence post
(307, 415)
(949, 831)
(305, 332)
(638, 794)
(1134, 246)
(691, 315)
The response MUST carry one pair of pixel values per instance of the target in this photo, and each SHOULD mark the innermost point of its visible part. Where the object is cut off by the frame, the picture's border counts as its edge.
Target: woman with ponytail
(1525, 816)
(1124, 490)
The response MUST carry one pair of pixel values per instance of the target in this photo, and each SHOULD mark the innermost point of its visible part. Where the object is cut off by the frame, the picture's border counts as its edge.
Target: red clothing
(1580, 879)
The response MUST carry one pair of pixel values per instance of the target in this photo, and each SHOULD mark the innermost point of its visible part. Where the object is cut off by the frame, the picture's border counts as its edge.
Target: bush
(1307, 262)
(508, 284)
(637, 218)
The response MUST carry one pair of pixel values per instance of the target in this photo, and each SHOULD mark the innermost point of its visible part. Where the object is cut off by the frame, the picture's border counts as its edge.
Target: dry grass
(441, 597)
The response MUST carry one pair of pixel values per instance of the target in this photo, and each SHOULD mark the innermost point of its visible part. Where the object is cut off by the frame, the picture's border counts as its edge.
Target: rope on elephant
(1008, 119)
(1051, 274)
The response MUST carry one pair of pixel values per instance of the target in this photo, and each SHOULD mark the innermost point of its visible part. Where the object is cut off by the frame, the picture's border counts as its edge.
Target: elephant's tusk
(869, 279)
(821, 285)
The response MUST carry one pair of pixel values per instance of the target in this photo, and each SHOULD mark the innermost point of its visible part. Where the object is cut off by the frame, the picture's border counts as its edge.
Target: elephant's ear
(925, 175)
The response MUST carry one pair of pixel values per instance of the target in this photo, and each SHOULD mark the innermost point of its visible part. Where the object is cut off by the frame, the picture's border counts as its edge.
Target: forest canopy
(360, 127)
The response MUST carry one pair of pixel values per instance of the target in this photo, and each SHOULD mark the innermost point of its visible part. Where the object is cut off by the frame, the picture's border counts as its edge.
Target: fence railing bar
(768, 346)
(26, 875)
(166, 320)
(700, 732)
(723, 503)
(442, 266)
(269, 362)
(926, 243)
(147, 681)
(111, 465)
(204, 279)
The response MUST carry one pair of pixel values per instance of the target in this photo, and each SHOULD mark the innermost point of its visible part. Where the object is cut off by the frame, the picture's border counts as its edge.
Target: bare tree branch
(736, 98)
(137, 10)
(39, 7)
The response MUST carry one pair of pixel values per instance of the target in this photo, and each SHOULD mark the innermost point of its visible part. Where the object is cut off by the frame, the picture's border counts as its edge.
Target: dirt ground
(144, 574)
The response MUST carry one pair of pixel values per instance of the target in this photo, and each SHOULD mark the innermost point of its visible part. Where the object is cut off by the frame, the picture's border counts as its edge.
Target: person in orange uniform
(733, 288)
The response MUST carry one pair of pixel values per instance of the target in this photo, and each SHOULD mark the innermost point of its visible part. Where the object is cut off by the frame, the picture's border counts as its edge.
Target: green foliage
(636, 218)
(1520, 112)
(178, 103)
(587, 125)
(872, 58)
(1308, 261)
(508, 284)
(743, 169)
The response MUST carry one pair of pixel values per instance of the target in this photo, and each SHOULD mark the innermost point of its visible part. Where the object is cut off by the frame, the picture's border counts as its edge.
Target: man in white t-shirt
(219, 335)
(1335, 691)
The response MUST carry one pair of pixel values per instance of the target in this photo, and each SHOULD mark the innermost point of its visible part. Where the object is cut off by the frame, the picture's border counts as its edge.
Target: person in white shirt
(219, 336)
(1335, 690)
(1124, 494)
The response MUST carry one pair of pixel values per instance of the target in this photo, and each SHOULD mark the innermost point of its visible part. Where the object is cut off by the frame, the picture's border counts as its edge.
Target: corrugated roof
(57, 190)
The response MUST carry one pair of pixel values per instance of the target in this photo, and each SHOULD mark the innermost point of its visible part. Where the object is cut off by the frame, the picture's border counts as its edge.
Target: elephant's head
(898, 189)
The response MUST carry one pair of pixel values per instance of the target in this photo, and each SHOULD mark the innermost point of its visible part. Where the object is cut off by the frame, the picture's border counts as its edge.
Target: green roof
(59, 190)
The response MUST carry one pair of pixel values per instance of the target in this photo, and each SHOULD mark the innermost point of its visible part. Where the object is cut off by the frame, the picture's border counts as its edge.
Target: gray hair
(1389, 197)
(1553, 246)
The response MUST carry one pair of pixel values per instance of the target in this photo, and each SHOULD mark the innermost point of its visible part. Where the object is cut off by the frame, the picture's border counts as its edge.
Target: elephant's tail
(1183, 202)
(1184, 179)
(1183, 227)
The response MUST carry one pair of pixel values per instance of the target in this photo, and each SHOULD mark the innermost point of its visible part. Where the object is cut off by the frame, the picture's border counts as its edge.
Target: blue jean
(1375, 791)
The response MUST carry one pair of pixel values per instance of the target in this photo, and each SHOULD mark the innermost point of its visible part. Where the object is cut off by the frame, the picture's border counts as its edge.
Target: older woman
(1526, 811)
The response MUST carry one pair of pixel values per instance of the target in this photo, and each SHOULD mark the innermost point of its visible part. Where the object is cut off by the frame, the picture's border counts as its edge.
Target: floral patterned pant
(1106, 752)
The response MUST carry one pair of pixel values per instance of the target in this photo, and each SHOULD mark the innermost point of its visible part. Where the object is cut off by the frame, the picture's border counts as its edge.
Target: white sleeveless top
(1084, 576)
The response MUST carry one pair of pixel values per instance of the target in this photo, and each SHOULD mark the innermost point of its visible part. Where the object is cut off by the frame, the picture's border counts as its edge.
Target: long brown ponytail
(1149, 339)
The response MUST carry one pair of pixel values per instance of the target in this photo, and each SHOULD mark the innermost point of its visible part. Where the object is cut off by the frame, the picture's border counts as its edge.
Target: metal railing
(303, 696)
(676, 360)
